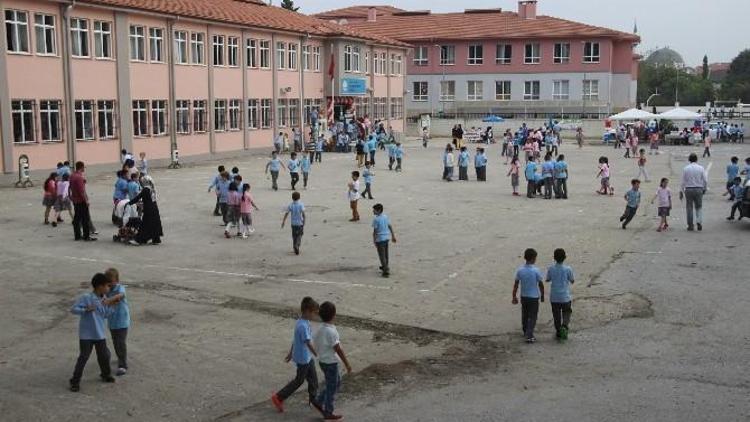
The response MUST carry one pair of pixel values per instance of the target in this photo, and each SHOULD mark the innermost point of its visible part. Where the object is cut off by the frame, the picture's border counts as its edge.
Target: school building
(505, 62)
(83, 79)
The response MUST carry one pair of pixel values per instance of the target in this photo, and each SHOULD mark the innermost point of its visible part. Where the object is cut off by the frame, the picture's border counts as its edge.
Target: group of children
(736, 188)
(550, 176)
(450, 161)
(234, 202)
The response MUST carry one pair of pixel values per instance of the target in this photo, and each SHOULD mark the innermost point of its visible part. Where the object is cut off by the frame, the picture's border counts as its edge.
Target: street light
(442, 97)
(655, 94)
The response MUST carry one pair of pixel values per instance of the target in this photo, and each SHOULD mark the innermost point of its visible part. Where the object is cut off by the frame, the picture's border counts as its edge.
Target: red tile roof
(478, 24)
(357, 12)
(254, 13)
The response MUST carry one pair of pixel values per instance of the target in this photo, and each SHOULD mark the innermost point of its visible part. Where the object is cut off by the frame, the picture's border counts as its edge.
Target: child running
(381, 234)
(529, 279)
(297, 211)
(560, 277)
(119, 321)
(642, 166)
(604, 174)
(328, 345)
(664, 196)
(353, 195)
(274, 165)
(739, 193)
(367, 175)
(513, 174)
(246, 206)
(633, 199)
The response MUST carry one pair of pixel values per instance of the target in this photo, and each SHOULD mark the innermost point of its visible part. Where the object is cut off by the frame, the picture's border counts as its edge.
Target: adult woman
(151, 221)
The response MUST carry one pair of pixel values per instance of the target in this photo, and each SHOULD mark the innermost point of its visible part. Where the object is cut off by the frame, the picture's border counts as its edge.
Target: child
(301, 353)
(480, 165)
(361, 149)
(561, 178)
(246, 205)
(425, 136)
(119, 321)
(398, 152)
(707, 145)
(143, 164)
(353, 195)
(93, 308)
(746, 171)
(372, 148)
(367, 175)
(215, 185)
(604, 174)
(448, 163)
(513, 173)
(63, 199)
(633, 198)
(234, 173)
(560, 278)
(234, 201)
(328, 346)
(274, 165)
(664, 195)
(293, 166)
(297, 210)
(530, 174)
(463, 164)
(733, 170)
(222, 189)
(134, 188)
(529, 278)
(305, 165)
(738, 192)
(381, 234)
(548, 168)
(319, 145)
(50, 195)
(391, 156)
(642, 165)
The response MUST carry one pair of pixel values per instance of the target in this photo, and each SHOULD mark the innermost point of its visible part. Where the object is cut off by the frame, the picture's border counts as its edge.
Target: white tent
(633, 114)
(680, 114)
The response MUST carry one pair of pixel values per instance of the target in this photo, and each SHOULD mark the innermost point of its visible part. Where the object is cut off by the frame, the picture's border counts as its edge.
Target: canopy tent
(680, 114)
(633, 114)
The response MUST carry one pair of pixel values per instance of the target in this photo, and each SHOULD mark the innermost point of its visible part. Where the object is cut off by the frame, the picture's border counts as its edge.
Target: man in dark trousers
(82, 218)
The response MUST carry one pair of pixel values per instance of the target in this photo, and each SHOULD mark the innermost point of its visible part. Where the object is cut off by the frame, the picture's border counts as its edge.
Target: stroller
(128, 221)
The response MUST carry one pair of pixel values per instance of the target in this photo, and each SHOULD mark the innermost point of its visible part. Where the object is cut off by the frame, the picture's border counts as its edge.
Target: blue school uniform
(91, 325)
(480, 160)
(392, 150)
(274, 164)
(399, 151)
(530, 170)
(381, 225)
(560, 278)
(120, 317)
(295, 209)
(134, 188)
(223, 189)
(633, 197)
(305, 165)
(301, 354)
(561, 170)
(367, 176)
(547, 168)
(528, 277)
(121, 189)
(463, 159)
(733, 170)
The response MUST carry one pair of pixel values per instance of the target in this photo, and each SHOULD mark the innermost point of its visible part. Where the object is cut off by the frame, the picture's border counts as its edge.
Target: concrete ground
(659, 327)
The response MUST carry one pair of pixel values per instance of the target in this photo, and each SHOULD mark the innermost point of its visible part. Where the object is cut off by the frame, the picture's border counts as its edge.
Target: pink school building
(81, 80)
(505, 62)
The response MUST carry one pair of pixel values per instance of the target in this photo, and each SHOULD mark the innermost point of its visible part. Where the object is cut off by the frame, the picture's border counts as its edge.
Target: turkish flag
(332, 66)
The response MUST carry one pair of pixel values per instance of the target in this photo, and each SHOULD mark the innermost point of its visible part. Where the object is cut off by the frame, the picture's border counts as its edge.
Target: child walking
(391, 156)
(93, 308)
(664, 195)
(633, 198)
(381, 234)
(328, 345)
(319, 145)
(529, 279)
(293, 166)
(367, 175)
(353, 195)
(604, 174)
(739, 193)
(707, 145)
(246, 206)
(513, 174)
(119, 321)
(297, 211)
(274, 165)
(560, 277)
(399, 155)
(305, 166)
(234, 201)
(301, 353)
(642, 166)
(63, 199)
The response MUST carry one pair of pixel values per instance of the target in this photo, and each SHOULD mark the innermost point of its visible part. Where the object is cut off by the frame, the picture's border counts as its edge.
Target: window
(397, 107)
(23, 121)
(502, 90)
(158, 117)
(140, 118)
(591, 52)
(476, 54)
(280, 55)
(103, 40)
(106, 119)
(420, 91)
(306, 110)
(265, 54)
(49, 113)
(347, 58)
(355, 59)
(84, 117)
(366, 107)
(265, 113)
(220, 115)
(421, 55)
(316, 59)
(79, 37)
(281, 116)
(293, 112)
(233, 51)
(199, 116)
(251, 53)
(562, 53)
(234, 114)
(560, 90)
(156, 44)
(533, 54)
(447, 55)
(503, 53)
(383, 63)
(218, 49)
(447, 90)
(252, 114)
(293, 49)
(531, 90)
(197, 48)
(474, 91)
(180, 47)
(44, 28)
(396, 64)
(182, 114)
(17, 31)
(367, 63)
(137, 43)
(590, 90)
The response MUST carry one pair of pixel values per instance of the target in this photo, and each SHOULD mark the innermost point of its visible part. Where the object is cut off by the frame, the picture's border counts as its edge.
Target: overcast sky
(691, 27)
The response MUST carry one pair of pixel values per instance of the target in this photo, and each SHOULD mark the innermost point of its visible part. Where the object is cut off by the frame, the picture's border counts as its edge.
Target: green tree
(289, 5)
(672, 84)
(737, 84)
(705, 67)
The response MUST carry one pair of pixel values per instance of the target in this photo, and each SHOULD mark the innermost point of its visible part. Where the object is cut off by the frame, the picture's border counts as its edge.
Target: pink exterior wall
(229, 141)
(191, 83)
(397, 87)
(622, 57)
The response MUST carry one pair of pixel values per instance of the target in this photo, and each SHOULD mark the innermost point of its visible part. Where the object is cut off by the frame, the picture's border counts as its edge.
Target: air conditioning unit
(286, 90)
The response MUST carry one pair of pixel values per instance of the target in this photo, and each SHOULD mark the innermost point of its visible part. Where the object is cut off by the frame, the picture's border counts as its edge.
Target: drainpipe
(300, 67)
(388, 69)
(68, 82)
(275, 88)
(244, 109)
(6, 115)
(210, 113)
(175, 164)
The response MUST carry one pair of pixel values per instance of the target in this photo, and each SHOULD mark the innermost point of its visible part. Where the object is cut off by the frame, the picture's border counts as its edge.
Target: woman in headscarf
(151, 221)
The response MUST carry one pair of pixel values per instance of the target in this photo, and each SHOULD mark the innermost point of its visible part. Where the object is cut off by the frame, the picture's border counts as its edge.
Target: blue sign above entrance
(353, 86)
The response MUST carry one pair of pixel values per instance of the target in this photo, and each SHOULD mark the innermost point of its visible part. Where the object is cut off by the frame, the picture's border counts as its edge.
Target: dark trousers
(547, 188)
(706, 152)
(224, 208)
(694, 201)
(530, 189)
(562, 188)
(561, 314)
(319, 156)
(382, 248)
(372, 157)
(368, 191)
(736, 206)
(216, 208)
(333, 381)
(529, 312)
(274, 180)
(628, 215)
(311, 156)
(305, 175)
(305, 372)
(398, 164)
(463, 173)
(102, 356)
(119, 341)
(297, 232)
(81, 220)
(481, 173)
(295, 179)
(391, 160)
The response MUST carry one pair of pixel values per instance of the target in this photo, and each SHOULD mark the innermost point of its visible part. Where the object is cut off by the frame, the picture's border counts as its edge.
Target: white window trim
(233, 43)
(292, 57)
(198, 45)
(158, 42)
(84, 35)
(591, 59)
(182, 106)
(76, 109)
(507, 95)
(184, 40)
(219, 105)
(111, 122)
(448, 48)
(219, 41)
(503, 61)
(281, 52)
(50, 111)
(560, 96)
(156, 106)
(44, 28)
(423, 59)
(17, 33)
(420, 98)
(475, 96)
(529, 96)
(140, 110)
(474, 61)
(532, 60)
(234, 105)
(100, 34)
(560, 59)
(251, 53)
(137, 36)
(200, 107)
(269, 50)
(445, 97)
(23, 110)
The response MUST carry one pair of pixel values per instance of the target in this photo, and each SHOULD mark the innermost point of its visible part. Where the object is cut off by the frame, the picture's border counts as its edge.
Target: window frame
(26, 110)
(83, 38)
(281, 112)
(591, 95)
(50, 112)
(156, 45)
(251, 53)
(100, 36)
(220, 114)
(447, 55)
(137, 43)
(474, 96)
(141, 111)
(503, 94)
(347, 58)
(293, 108)
(218, 50)
(476, 59)
(45, 30)
(420, 91)
(264, 52)
(234, 115)
(447, 97)
(182, 109)
(16, 33)
(356, 59)
(588, 56)
(110, 119)
(560, 83)
(181, 49)
(503, 59)
(159, 118)
(84, 112)
(532, 59)
(292, 56)
(200, 116)
(253, 114)
(280, 55)
(421, 56)
(233, 51)
(561, 53)
(530, 95)
(316, 54)
(266, 113)
(198, 48)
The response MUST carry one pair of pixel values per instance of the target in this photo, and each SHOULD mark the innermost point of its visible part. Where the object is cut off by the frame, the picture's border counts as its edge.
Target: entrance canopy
(633, 114)
(680, 114)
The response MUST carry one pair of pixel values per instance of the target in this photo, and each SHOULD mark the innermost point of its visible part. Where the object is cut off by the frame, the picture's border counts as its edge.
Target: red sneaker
(277, 403)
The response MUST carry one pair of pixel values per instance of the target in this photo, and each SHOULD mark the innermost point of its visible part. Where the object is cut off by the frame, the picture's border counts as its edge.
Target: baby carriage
(129, 222)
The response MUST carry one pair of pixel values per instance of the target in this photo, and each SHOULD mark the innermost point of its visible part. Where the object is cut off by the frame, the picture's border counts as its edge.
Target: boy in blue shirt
(372, 147)
(530, 174)
(133, 187)
(633, 198)
(529, 279)
(297, 211)
(398, 152)
(222, 189)
(305, 165)
(274, 165)
(548, 167)
(561, 178)
(93, 309)
(733, 170)
(391, 156)
(739, 193)
(480, 165)
(293, 166)
(215, 185)
(560, 278)
(319, 148)
(382, 232)
(119, 321)
(302, 353)
(463, 164)
(367, 177)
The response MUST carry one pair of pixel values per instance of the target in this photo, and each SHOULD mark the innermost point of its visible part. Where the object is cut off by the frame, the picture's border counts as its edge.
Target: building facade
(493, 61)
(81, 80)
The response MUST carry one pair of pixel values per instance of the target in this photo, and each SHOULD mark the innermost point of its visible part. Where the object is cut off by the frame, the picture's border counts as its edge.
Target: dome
(665, 57)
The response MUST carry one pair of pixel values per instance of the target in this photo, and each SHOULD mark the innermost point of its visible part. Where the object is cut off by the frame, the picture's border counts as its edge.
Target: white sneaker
(251, 230)
(244, 236)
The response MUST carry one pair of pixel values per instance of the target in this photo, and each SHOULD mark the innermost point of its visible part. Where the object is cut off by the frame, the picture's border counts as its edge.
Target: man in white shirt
(693, 187)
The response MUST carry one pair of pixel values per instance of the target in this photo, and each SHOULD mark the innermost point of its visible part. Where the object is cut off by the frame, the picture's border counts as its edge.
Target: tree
(668, 81)
(289, 5)
(737, 84)
(705, 67)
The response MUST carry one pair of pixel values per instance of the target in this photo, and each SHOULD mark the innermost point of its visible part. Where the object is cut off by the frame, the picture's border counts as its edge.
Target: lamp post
(655, 94)
(442, 83)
